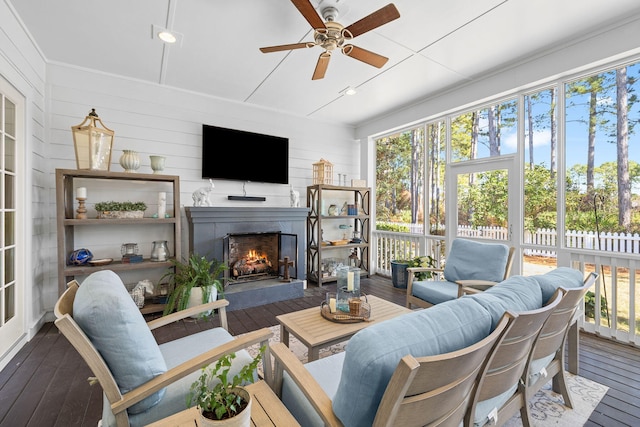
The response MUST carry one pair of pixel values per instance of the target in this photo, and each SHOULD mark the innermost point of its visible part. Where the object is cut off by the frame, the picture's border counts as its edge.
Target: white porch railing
(609, 242)
(616, 289)
(617, 301)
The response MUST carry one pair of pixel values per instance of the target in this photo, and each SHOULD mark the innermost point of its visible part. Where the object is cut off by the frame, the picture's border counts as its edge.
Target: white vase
(195, 298)
(130, 161)
(243, 419)
(157, 163)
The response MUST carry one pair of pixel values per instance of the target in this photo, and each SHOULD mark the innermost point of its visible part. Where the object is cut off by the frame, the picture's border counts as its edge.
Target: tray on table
(363, 314)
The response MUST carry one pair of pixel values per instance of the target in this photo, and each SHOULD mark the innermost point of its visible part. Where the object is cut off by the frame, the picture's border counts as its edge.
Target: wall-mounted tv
(253, 156)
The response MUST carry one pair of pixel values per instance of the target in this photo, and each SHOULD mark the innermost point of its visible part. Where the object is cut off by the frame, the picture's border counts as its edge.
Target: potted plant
(399, 274)
(120, 209)
(193, 281)
(222, 400)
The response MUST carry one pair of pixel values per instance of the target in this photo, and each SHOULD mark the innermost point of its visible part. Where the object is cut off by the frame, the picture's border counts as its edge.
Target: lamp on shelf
(92, 143)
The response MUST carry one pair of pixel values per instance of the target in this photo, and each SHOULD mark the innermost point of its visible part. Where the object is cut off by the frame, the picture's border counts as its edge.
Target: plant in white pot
(221, 399)
(193, 281)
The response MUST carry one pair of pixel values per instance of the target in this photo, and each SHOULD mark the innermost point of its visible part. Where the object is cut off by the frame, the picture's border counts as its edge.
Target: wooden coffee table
(266, 411)
(316, 332)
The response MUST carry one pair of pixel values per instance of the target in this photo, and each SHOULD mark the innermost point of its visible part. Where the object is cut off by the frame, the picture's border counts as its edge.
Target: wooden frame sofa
(347, 388)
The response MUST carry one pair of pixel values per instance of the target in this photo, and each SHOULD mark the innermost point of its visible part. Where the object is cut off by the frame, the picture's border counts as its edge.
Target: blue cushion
(326, 372)
(476, 260)
(486, 407)
(373, 353)
(434, 291)
(110, 318)
(174, 353)
(561, 276)
(517, 293)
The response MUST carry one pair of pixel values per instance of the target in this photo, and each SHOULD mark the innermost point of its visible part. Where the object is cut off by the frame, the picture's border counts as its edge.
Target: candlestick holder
(82, 210)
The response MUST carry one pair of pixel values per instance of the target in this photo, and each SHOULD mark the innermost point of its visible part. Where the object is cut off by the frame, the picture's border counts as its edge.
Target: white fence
(609, 242)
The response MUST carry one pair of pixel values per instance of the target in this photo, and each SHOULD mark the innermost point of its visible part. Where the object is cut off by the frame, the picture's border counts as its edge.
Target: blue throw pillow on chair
(469, 259)
(111, 319)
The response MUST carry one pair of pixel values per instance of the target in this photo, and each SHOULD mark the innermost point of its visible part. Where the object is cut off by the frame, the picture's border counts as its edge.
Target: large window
(602, 115)
(578, 138)
(436, 162)
(400, 181)
(540, 177)
(487, 132)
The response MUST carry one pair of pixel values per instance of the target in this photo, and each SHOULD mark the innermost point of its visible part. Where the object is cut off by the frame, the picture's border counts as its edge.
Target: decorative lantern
(92, 143)
(323, 172)
(354, 261)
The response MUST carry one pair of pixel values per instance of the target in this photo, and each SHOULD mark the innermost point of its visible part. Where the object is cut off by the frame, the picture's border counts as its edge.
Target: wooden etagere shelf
(68, 225)
(320, 253)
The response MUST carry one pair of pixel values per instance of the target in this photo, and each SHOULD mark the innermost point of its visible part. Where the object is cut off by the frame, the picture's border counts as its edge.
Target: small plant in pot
(221, 397)
(400, 275)
(109, 210)
(187, 275)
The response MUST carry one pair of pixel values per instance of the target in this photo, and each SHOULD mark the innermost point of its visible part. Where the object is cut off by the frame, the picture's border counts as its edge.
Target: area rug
(547, 408)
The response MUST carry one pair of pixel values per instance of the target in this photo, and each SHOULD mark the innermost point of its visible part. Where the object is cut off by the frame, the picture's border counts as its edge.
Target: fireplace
(217, 231)
(259, 256)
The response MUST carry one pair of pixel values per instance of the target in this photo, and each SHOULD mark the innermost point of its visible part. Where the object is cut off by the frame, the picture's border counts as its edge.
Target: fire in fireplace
(259, 256)
(252, 264)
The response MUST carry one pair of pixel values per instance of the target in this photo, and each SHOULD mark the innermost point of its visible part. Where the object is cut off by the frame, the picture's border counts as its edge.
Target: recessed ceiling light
(350, 90)
(166, 35)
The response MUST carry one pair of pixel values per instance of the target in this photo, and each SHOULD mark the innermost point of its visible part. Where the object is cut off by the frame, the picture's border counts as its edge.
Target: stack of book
(130, 259)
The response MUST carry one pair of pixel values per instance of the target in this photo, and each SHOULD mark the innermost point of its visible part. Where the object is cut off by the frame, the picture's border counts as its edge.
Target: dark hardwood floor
(46, 383)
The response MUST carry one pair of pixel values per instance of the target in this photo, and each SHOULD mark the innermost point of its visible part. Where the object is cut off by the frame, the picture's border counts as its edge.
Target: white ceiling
(434, 45)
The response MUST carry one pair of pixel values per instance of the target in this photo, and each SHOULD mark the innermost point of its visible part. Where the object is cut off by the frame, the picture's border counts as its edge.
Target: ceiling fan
(331, 35)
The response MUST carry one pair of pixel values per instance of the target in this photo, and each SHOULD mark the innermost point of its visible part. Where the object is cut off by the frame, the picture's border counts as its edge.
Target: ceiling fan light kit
(331, 35)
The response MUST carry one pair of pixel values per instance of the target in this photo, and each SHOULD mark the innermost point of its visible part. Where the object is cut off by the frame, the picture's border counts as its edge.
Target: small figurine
(201, 195)
(295, 198)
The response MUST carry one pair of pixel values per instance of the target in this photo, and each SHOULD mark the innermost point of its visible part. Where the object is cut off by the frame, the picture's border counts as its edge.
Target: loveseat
(355, 379)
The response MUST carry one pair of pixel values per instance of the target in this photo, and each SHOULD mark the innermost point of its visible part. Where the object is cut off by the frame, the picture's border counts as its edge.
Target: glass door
(484, 203)
(12, 326)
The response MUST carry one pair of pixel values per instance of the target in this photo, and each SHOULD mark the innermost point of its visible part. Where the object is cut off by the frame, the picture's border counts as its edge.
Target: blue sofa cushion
(373, 353)
(476, 260)
(517, 293)
(434, 291)
(110, 318)
(561, 276)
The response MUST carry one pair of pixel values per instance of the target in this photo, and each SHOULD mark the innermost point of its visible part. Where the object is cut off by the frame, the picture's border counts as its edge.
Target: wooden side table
(316, 332)
(266, 410)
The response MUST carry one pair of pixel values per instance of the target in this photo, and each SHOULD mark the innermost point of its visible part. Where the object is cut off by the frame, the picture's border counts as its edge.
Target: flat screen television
(244, 156)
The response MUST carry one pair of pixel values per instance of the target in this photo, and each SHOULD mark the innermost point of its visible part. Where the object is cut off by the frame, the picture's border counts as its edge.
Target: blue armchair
(471, 267)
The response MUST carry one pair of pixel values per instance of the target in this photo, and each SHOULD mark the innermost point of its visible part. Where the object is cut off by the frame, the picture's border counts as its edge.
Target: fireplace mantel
(209, 225)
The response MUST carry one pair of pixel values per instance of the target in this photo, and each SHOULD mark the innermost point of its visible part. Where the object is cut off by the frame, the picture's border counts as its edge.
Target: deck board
(45, 384)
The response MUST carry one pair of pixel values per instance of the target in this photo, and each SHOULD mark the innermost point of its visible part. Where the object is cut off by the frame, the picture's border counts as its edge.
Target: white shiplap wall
(156, 120)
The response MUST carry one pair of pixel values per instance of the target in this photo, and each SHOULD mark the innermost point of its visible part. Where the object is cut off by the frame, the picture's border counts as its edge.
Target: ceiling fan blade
(285, 47)
(365, 55)
(374, 20)
(321, 66)
(306, 9)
